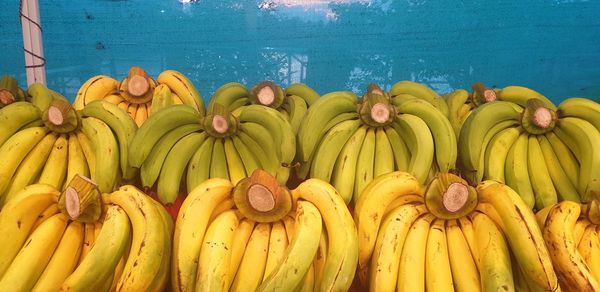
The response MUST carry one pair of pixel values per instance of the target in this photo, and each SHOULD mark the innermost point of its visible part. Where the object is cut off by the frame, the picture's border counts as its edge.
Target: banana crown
(220, 122)
(267, 93)
(9, 90)
(450, 197)
(261, 198)
(137, 87)
(81, 200)
(537, 118)
(375, 108)
(61, 117)
(482, 94)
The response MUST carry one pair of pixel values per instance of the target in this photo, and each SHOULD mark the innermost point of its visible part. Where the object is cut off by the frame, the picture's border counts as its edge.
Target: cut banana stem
(537, 117)
(261, 198)
(482, 94)
(267, 93)
(542, 117)
(220, 124)
(376, 110)
(55, 116)
(9, 88)
(81, 200)
(380, 113)
(137, 85)
(450, 197)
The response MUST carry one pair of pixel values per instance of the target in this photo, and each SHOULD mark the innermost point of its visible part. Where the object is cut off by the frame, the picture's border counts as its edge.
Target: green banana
(330, 147)
(199, 166)
(516, 170)
(419, 140)
(344, 171)
(106, 150)
(16, 115)
(302, 90)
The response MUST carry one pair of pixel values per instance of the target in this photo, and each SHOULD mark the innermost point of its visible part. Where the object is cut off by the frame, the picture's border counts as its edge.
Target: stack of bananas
(222, 144)
(571, 234)
(47, 141)
(140, 95)
(449, 236)
(349, 142)
(10, 91)
(544, 153)
(78, 241)
(292, 103)
(260, 236)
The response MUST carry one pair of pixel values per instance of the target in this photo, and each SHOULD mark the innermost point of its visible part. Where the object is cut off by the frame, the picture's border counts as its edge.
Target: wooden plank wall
(551, 46)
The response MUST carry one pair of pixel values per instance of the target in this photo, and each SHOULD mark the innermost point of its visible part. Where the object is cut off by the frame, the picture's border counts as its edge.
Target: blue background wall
(551, 46)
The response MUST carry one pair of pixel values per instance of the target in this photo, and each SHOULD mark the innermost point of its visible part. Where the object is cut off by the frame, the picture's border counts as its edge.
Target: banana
(249, 159)
(364, 164)
(235, 165)
(218, 162)
(252, 268)
(30, 168)
(420, 144)
(199, 166)
(297, 108)
(141, 115)
(31, 260)
(156, 126)
(242, 235)
(106, 151)
(76, 162)
(330, 147)
(437, 263)
(341, 262)
(476, 127)
(153, 164)
(114, 99)
(399, 148)
(40, 96)
(95, 88)
(466, 226)
(420, 91)
(89, 238)
(55, 170)
(121, 124)
(566, 190)
(465, 274)
(147, 246)
(18, 218)
(320, 113)
(175, 164)
(411, 272)
(545, 194)
(344, 171)
(522, 232)
(97, 267)
(582, 108)
(384, 156)
(16, 115)
(517, 171)
(302, 90)
(192, 221)
(183, 88)
(496, 153)
(215, 253)
(228, 94)
(568, 262)
(567, 160)
(579, 228)
(495, 265)
(162, 97)
(49, 212)
(589, 248)
(588, 140)
(278, 242)
(385, 260)
(520, 95)
(88, 151)
(63, 261)
(14, 150)
(441, 130)
(455, 101)
(300, 254)
(261, 143)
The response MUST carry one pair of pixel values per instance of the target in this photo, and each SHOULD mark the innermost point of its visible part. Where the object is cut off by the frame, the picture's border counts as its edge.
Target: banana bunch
(223, 144)
(10, 91)
(47, 141)
(448, 236)
(348, 142)
(292, 103)
(545, 153)
(78, 241)
(139, 94)
(260, 236)
(571, 234)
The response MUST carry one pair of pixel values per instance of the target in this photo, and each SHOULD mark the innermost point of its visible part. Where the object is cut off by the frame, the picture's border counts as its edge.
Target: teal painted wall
(551, 46)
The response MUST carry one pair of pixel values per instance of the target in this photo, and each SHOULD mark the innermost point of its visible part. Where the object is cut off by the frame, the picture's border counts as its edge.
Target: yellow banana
(183, 88)
(88, 151)
(567, 160)
(466, 226)
(384, 156)
(364, 164)
(464, 270)
(344, 171)
(517, 170)
(545, 194)
(565, 188)
(95, 88)
(589, 248)
(49, 212)
(242, 235)
(437, 264)
(89, 238)
(252, 268)
(278, 242)
(55, 170)
(411, 272)
(420, 143)
(76, 162)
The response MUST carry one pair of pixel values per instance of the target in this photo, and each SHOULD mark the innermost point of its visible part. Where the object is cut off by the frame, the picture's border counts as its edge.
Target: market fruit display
(178, 146)
(78, 240)
(139, 94)
(348, 141)
(258, 235)
(448, 236)
(47, 141)
(545, 153)
(571, 233)
(293, 102)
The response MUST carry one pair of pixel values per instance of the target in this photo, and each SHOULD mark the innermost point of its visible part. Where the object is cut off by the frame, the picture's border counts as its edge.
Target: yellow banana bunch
(447, 236)
(268, 240)
(138, 94)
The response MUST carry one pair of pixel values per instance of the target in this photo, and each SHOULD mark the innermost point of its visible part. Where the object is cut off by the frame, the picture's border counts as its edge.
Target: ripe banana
(496, 153)
(517, 171)
(437, 264)
(420, 91)
(565, 188)
(252, 269)
(344, 170)
(76, 162)
(520, 95)
(55, 170)
(183, 88)
(106, 150)
(411, 273)
(14, 116)
(95, 88)
(582, 108)
(465, 274)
